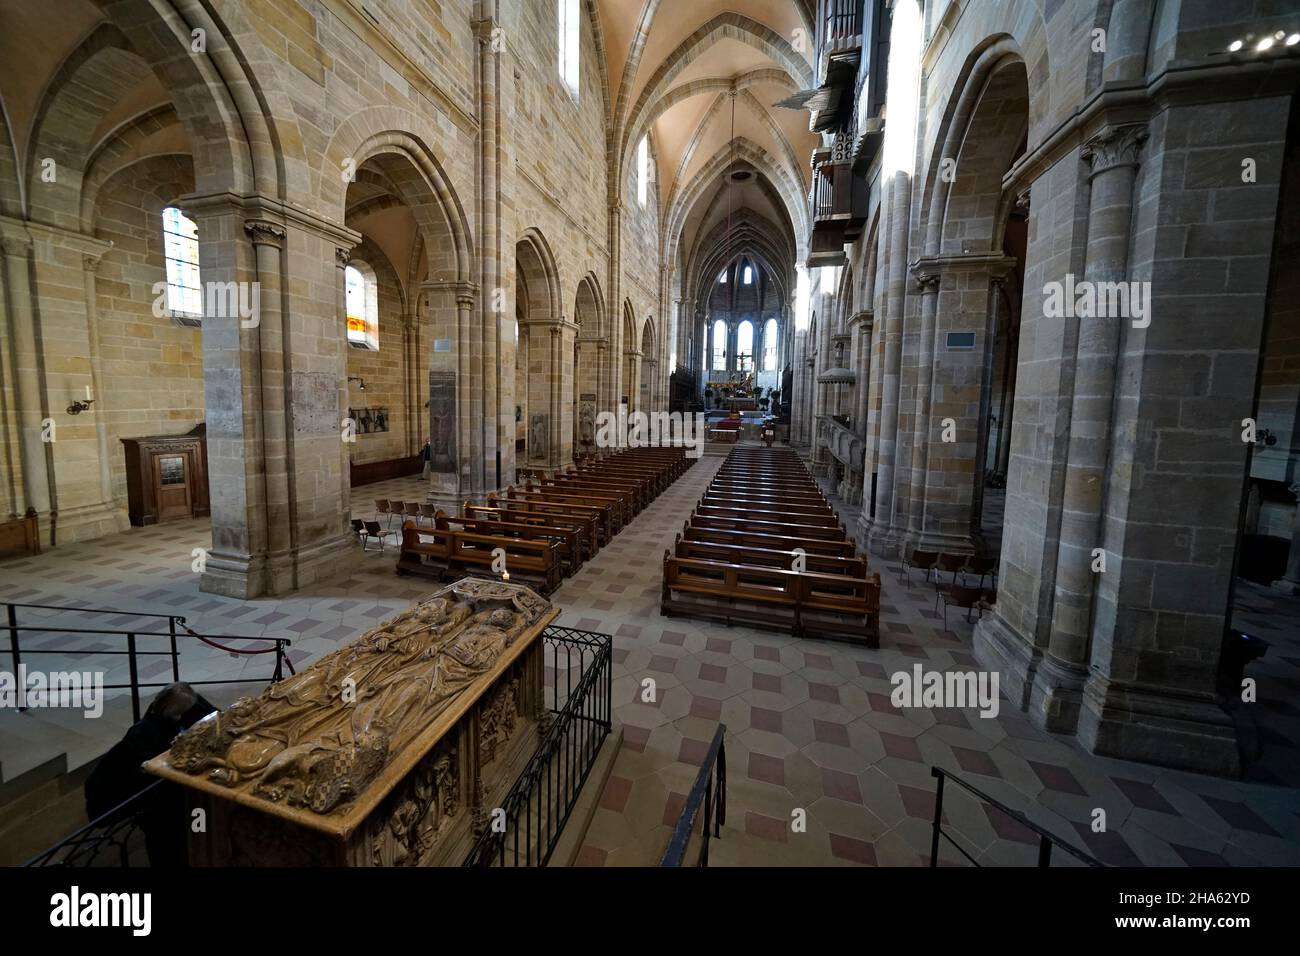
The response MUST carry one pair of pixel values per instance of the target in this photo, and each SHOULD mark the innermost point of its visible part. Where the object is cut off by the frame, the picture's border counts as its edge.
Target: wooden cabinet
(167, 477)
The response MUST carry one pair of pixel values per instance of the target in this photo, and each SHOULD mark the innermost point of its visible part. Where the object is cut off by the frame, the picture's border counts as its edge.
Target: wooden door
(172, 475)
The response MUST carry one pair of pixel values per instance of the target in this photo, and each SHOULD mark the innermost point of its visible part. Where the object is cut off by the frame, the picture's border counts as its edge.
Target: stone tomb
(391, 751)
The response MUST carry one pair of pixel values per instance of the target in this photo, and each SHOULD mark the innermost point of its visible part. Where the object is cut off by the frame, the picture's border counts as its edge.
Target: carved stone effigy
(390, 751)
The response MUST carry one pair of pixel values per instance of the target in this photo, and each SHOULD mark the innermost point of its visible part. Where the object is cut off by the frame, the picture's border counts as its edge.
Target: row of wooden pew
(764, 546)
(547, 527)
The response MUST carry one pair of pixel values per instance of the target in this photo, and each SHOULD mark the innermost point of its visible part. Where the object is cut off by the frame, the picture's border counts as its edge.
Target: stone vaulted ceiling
(673, 66)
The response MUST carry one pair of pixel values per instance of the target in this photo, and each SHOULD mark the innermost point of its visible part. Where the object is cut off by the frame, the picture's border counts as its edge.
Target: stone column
(267, 240)
(341, 258)
(882, 535)
(30, 409)
(1058, 683)
(1289, 583)
(100, 410)
(923, 434)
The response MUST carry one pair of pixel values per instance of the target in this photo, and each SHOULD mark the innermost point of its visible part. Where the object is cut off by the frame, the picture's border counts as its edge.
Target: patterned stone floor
(809, 723)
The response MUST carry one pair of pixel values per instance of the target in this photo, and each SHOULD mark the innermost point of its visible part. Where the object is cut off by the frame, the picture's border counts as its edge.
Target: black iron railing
(114, 839)
(709, 792)
(1046, 840)
(176, 629)
(579, 706)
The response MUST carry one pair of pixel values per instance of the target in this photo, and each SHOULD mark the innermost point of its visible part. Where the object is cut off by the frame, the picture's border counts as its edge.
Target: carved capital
(925, 281)
(342, 256)
(90, 262)
(264, 233)
(16, 245)
(1022, 203)
(1114, 146)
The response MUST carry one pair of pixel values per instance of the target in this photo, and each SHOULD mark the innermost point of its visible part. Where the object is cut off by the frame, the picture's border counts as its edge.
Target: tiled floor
(809, 724)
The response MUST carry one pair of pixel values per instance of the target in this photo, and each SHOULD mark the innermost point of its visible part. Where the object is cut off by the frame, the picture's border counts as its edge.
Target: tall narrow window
(643, 169)
(749, 275)
(362, 304)
(181, 250)
(722, 277)
(769, 346)
(719, 346)
(569, 37)
(745, 347)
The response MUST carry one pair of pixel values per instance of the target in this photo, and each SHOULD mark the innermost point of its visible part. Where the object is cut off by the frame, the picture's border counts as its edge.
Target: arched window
(362, 301)
(719, 346)
(643, 170)
(569, 44)
(181, 250)
(769, 346)
(745, 347)
(749, 274)
(722, 277)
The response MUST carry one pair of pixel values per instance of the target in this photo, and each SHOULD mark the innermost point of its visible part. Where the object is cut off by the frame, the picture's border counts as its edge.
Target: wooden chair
(359, 529)
(924, 560)
(982, 568)
(428, 511)
(382, 507)
(969, 598)
(952, 563)
(412, 509)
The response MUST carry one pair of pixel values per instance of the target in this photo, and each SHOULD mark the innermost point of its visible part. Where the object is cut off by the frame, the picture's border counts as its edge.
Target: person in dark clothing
(426, 454)
(118, 776)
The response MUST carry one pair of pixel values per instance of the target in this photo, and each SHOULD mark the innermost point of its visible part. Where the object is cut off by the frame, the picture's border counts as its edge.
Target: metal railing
(176, 628)
(1046, 840)
(578, 720)
(709, 792)
(119, 831)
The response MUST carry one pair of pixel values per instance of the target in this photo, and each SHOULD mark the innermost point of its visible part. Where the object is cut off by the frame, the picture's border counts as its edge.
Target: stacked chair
(549, 526)
(763, 546)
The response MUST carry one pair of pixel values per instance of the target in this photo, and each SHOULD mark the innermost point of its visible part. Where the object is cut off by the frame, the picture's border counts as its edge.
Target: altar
(391, 751)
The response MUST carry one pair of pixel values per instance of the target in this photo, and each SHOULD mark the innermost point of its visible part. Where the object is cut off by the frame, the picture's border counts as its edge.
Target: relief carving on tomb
(315, 740)
(497, 720)
(418, 813)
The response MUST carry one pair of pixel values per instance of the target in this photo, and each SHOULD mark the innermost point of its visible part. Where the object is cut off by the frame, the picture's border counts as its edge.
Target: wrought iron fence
(114, 839)
(579, 704)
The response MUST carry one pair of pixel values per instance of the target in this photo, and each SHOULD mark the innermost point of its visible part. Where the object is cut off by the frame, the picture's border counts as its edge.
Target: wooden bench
(619, 504)
(435, 553)
(711, 500)
(606, 524)
(566, 538)
(805, 603)
(854, 566)
(583, 526)
(750, 513)
(842, 548)
(785, 528)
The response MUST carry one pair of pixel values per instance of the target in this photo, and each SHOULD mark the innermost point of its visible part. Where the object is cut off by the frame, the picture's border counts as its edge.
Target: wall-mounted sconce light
(80, 405)
(360, 382)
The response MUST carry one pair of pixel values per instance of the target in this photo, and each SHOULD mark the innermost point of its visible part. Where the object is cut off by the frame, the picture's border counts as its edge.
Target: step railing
(528, 825)
(1046, 839)
(708, 794)
(111, 839)
(176, 628)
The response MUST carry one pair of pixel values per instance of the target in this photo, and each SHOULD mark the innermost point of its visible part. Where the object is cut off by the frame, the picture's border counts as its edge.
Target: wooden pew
(806, 603)
(606, 526)
(744, 513)
(781, 507)
(842, 548)
(584, 526)
(619, 504)
(436, 553)
(769, 527)
(567, 538)
(854, 567)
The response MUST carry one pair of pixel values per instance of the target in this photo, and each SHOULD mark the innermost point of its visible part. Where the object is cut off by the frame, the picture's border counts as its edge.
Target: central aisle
(810, 726)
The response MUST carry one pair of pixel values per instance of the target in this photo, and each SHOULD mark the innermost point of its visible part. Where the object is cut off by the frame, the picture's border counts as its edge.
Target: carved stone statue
(587, 424)
(316, 739)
